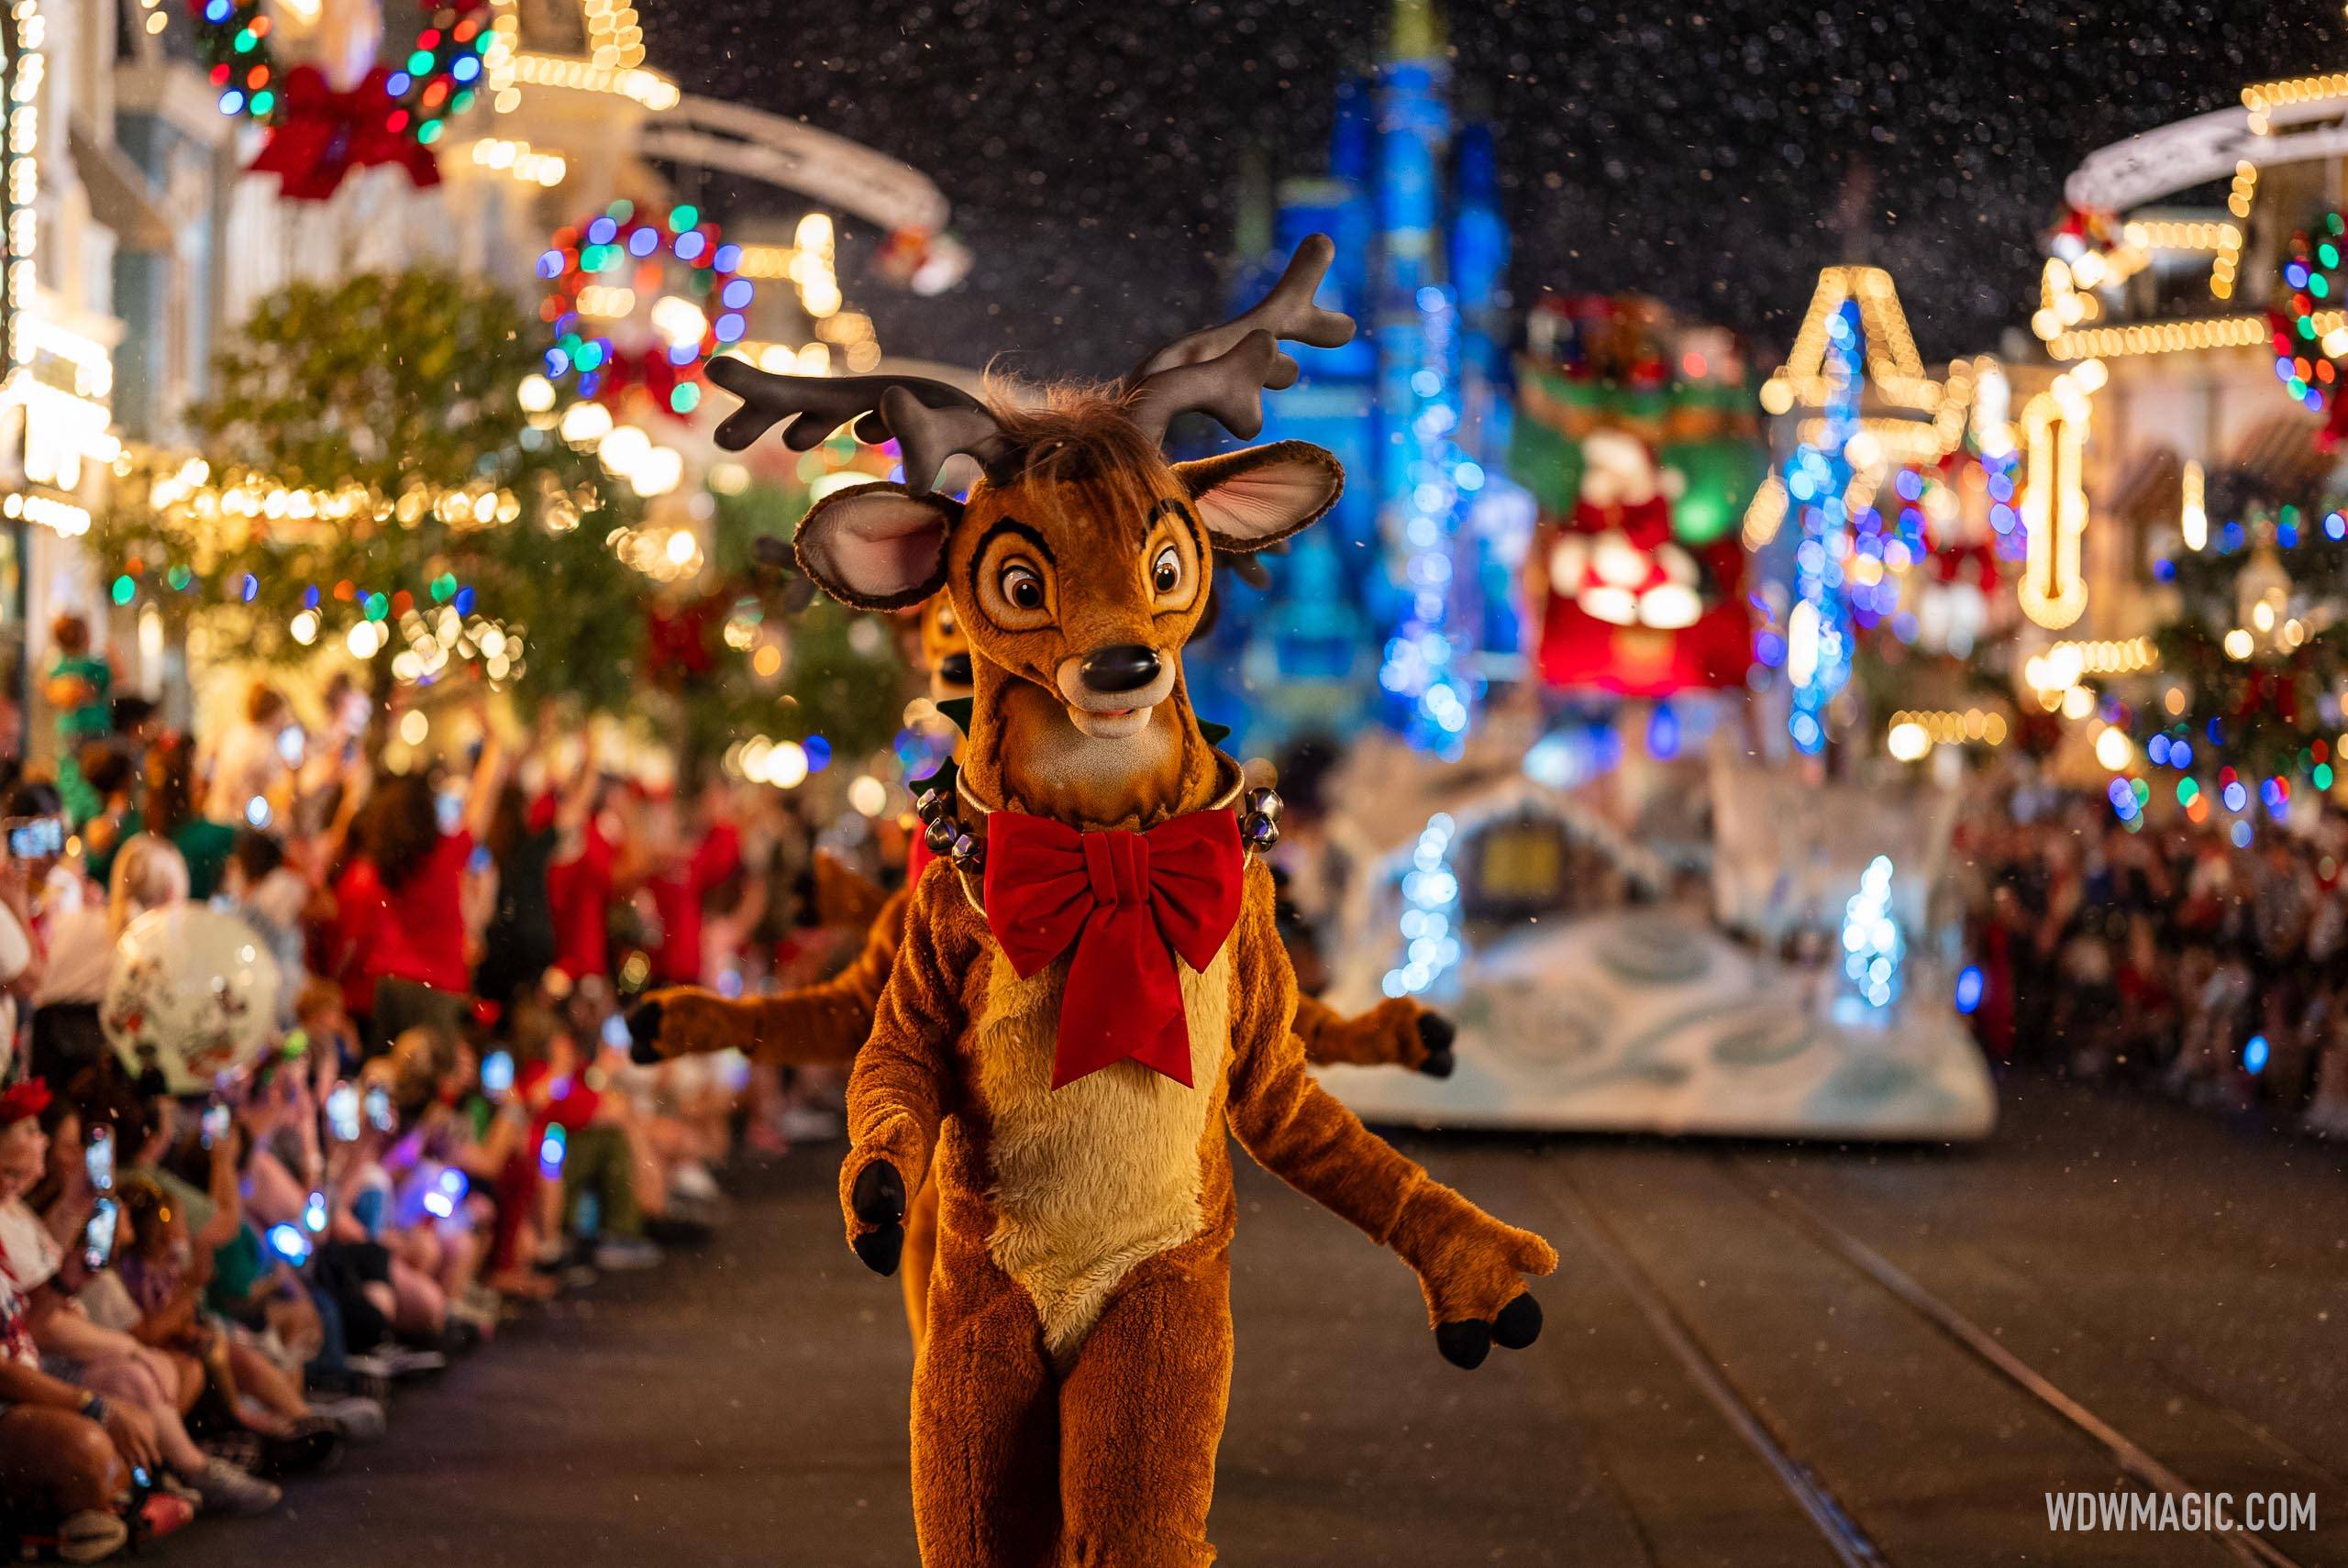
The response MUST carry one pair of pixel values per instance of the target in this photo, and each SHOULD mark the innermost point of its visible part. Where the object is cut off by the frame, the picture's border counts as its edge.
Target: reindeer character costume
(1090, 995)
(826, 1024)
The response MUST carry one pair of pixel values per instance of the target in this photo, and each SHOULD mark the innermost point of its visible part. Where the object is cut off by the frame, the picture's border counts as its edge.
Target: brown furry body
(1080, 1289)
(824, 1025)
(1070, 1396)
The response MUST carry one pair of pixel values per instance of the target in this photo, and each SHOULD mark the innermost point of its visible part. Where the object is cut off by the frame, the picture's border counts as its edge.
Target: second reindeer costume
(1092, 998)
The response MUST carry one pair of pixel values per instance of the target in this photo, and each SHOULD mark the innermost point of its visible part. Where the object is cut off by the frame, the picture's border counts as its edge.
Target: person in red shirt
(400, 900)
(681, 881)
(583, 870)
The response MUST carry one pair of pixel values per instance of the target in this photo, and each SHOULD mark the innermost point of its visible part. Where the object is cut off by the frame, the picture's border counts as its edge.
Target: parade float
(1636, 436)
(1595, 989)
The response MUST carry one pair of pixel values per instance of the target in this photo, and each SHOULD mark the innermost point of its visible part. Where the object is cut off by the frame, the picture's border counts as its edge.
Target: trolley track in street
(1841, 1524)
(1745, 1416)
(1985, 1347)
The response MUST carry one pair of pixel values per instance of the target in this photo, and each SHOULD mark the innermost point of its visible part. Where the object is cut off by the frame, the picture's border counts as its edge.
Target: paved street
(1755, 1356)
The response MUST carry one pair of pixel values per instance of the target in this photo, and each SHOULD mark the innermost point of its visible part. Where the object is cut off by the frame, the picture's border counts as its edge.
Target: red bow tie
(1130, 902)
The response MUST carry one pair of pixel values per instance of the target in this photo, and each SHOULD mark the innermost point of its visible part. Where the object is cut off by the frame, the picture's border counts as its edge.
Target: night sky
(1715, 155)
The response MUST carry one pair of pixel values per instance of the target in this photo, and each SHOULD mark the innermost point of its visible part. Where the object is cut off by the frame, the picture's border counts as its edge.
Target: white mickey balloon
(193, 992)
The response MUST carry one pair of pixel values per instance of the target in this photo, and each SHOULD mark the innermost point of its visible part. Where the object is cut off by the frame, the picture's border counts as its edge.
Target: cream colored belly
(1090, 1179)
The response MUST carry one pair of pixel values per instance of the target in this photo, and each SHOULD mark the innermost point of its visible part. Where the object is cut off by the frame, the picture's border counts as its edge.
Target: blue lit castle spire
(1818, 478)
(1396, 606)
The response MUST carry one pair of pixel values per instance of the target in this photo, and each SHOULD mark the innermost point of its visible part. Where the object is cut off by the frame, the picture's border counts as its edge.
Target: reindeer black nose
(1120, 667)
(955, 670)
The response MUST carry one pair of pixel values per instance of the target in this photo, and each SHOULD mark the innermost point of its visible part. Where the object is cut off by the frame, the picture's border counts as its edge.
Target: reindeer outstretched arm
(1470, 1265)
(819, 1026)
(903, 1080)
(1397, 1033)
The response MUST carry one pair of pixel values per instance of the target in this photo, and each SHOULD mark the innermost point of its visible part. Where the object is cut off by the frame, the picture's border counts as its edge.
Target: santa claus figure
(1622, 605)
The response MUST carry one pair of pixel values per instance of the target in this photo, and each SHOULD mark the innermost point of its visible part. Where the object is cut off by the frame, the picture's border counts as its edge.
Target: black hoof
(878, 1196)
(878, 1200)
(881, 1248)
(644, 1035)
(1435, 1034)
(1464, 1344)
(1519, 1323)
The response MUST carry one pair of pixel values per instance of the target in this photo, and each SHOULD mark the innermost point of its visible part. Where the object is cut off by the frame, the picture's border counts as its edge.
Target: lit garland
(1424, 664)
(2306, 359)
(437, 79)
(189, 496)
(232, 36)
(2107, 656)
(26, 39)
(647, 88)
(2248, 705)
(2166, 234)
(2001, 459)
(439, 634)
(632, 252)
(784, 763)
(2193, 511)
(614, 40)
(1912, 732)
(2244, 190)
(1891, 363)
(2262, 98)
(2053, 589)
(1873, 948)
(1819, 479)
(449, 637)
(2160, 338)
(441, 75)
(1430, 906)
(531, 166)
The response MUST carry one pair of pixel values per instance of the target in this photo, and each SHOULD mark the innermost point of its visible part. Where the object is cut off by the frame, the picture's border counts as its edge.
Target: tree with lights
(367, 474)
(750, 650)
(2252, 669)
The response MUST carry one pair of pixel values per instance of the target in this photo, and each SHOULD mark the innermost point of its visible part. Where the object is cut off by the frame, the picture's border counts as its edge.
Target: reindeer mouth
(1112, 724)
(1112, 715)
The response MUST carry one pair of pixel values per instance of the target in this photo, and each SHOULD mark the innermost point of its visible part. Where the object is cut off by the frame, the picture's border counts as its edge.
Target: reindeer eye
(1021, 588)
(945, 620)
(1166, 574)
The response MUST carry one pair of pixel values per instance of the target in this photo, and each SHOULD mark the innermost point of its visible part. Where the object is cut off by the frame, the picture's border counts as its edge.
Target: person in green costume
(81, 688)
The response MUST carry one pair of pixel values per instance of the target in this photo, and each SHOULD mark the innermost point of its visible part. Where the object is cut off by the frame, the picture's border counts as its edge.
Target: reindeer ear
(1259, 495)
(875, 548)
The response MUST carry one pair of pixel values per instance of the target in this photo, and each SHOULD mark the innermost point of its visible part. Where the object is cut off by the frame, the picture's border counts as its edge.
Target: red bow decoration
(1129, 902)
(677, 640)
(323, 133)
(26, 1097)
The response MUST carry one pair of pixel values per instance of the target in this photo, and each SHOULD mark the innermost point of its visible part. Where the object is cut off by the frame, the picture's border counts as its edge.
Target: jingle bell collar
(1129, 903)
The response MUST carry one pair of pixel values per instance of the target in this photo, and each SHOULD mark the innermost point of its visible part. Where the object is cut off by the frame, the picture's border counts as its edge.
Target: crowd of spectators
(2203, 954)
(204, 1296)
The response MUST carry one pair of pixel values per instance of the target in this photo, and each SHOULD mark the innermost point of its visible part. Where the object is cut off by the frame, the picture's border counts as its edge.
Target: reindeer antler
(1223, 371)
(929, 420)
